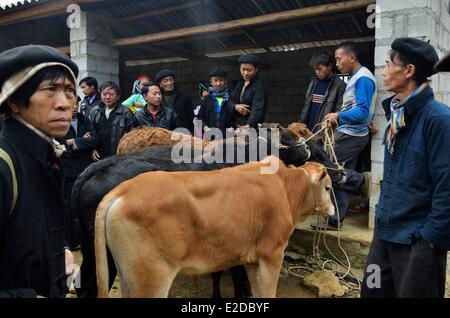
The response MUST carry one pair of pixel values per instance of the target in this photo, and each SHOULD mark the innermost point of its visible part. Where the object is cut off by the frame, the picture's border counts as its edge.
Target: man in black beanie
(37, 94)
(412, 234)
(249, 98)
(175, 99)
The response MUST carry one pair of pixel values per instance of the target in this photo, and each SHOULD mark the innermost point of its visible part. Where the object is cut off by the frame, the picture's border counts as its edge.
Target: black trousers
(347, 149)
(404, 271)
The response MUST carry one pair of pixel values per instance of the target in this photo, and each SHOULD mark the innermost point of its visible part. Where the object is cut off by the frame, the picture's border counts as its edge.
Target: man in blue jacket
(352, 120)
(412, 226)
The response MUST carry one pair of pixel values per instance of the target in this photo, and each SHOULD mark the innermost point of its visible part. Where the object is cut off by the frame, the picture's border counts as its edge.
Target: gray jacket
(332, 103)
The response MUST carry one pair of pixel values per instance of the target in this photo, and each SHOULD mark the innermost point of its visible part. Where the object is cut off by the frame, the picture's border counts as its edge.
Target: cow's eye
(328, 188)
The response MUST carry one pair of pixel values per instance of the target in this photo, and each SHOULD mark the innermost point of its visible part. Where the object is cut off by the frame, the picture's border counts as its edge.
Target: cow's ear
(318, 175)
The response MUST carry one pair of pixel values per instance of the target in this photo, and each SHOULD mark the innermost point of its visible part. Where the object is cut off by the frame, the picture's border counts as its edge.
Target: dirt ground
(201, 286)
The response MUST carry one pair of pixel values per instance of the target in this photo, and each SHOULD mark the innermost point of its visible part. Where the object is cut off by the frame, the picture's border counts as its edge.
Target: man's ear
(13, 106)
(410, 71)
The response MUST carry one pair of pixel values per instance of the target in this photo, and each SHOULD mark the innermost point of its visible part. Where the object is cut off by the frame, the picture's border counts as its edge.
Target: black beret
(419, 53)
(163, 73)
(218, 72)
(444, 64)
(249, 59)
(19, 58)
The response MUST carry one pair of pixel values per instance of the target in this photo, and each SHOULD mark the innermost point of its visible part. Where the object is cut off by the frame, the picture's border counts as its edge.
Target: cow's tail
(101, 257)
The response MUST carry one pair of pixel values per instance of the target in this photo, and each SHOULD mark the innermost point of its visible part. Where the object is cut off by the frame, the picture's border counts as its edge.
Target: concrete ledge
(355, 239)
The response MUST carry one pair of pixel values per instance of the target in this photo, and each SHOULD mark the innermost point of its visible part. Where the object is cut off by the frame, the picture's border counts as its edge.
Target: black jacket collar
(26, 140)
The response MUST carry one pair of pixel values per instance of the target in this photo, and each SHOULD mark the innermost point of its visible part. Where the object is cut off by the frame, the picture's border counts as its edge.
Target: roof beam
(245, 23)
(39, 11)
(188, 4)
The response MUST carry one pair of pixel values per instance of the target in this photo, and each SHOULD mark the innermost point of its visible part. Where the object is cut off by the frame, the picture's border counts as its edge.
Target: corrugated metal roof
(297, 33)
(215, 11)
(11, 4)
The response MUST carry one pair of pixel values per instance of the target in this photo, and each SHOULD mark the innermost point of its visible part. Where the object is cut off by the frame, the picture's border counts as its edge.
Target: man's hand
(333, 117)
(69, 142)
(373, 128)
(95, 156)
(242, 109)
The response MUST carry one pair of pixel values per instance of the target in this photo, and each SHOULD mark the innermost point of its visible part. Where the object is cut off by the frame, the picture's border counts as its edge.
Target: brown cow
(203, 222)
(151, 136)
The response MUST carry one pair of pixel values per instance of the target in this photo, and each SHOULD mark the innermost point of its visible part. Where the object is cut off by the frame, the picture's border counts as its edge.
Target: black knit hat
(444, 64)
(419, 53)
(19, 64)
(217, 72)
(163, 73)
(249, 59)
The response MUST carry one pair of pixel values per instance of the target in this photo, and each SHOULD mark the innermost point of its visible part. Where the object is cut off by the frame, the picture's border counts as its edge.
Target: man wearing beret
(444, 64)
(175, 99)
(37, 95)
(412, 223)
(214, 109)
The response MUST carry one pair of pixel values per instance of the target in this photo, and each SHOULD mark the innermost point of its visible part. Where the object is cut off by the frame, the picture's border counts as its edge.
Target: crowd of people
(49, 136)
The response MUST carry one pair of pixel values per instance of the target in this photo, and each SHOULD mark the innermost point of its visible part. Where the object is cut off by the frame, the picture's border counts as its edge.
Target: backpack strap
(7, 158)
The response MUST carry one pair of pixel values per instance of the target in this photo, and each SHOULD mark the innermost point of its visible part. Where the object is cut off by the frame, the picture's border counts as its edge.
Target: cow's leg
(152, 281)
(267, 276)
(240, 282)
(251, 270)
(216, 284)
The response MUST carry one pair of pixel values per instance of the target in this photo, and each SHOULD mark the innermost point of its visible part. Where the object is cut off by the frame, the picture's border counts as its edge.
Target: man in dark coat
(38, 92)
(249, 98)
(154, 114)
(214, 109)
(175, 99)
(92, 98)
(325, 91)
(75, 159)
(408, 255)
(110, 121)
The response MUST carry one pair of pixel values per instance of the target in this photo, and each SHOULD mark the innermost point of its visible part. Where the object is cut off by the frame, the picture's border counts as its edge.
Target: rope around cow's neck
(321, 228)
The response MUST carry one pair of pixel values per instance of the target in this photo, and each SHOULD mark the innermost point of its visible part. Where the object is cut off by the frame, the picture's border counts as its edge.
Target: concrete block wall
(424, 19)
(90, 49)
(287, 74)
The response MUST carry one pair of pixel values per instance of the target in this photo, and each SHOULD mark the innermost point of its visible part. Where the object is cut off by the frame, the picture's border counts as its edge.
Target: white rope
(321, 231)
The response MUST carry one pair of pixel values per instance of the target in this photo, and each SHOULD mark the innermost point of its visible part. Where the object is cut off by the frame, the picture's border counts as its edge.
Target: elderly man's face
(50, 107)
(394, 75)
(167, 84)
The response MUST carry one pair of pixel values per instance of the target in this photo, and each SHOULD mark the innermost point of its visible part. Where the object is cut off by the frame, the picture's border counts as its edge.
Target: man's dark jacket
(123, 122)
(86, 107)
(332, 102)
(256, 95)
(32, 259)
(182, 106)
(207, 114)
(76, 160)
(165, 118)
(415, 191)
